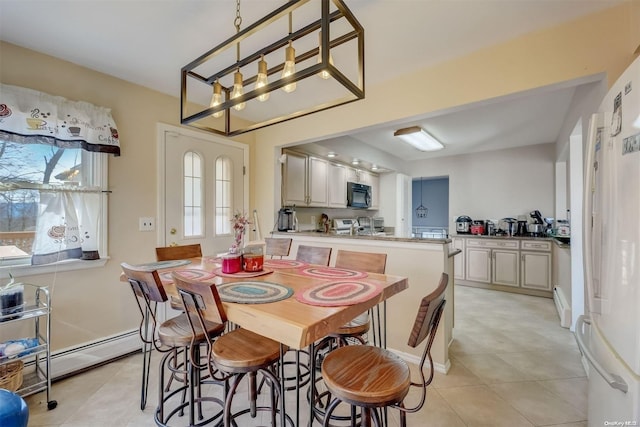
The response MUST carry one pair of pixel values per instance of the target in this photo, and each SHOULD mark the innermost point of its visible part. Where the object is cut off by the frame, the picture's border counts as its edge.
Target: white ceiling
(147, 42)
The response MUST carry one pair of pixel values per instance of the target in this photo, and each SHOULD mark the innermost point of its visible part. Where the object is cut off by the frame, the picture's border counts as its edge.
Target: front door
(204, 185)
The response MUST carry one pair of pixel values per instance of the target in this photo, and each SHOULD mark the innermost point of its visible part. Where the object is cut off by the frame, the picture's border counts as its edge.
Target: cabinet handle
(522, 257)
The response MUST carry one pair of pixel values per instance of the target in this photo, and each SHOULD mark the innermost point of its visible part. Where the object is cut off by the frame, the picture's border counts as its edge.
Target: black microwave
(358, 195)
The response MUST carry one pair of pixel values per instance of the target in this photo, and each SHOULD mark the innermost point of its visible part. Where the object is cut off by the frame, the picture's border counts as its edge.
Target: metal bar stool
(236, 353)
(171, 337)
(372, 378)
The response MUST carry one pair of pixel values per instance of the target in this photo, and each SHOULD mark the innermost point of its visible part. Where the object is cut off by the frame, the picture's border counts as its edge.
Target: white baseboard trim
(564, 310)
(410, 358)
(73, 359)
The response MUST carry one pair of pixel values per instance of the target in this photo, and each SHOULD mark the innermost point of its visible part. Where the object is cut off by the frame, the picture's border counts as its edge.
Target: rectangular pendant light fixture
(419, 138)
(278, 78)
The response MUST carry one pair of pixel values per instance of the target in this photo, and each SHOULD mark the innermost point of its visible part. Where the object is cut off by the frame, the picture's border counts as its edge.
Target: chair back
(429, 313)
(170, 253)
(144, 282)
(313, 255)
(277, 247)
(200, 299)
(362, 261)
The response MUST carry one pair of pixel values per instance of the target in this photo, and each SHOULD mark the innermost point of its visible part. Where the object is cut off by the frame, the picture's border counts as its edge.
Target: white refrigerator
(609, 334)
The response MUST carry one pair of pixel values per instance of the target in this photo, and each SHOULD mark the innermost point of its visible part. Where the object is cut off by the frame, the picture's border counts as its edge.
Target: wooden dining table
(293, 323)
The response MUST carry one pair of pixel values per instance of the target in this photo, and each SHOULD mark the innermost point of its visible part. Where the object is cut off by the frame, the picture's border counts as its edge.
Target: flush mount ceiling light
(232, 94)
(331, 154)
(419, 138)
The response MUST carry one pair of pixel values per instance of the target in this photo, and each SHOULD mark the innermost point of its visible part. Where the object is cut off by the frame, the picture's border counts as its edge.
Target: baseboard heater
(564, 310)
(80, 358)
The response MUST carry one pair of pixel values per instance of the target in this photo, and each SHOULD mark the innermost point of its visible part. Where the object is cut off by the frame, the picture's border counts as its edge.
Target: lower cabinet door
(536, 270)
(506, 267)
(478, 265)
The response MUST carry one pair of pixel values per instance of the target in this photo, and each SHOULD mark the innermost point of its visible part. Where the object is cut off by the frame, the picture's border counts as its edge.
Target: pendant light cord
(236, 23)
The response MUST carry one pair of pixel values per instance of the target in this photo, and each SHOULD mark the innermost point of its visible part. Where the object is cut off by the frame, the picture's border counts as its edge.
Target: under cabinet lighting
(419, 138)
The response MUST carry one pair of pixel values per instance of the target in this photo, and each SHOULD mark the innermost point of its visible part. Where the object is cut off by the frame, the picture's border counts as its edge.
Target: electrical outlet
(313, 220)
(146, 223)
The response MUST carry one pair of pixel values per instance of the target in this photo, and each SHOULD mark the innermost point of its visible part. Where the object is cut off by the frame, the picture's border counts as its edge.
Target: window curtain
(68, 219)
(31, 117)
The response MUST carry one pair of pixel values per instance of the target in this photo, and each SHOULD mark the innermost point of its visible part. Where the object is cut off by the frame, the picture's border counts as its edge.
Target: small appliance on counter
(562, 228)
(463, 225)
(477, 227)
(378, 224)
(287, 219)
(345, 226)
(508, 226)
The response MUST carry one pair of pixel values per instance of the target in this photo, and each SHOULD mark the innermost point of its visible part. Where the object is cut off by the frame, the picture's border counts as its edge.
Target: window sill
(19, 270)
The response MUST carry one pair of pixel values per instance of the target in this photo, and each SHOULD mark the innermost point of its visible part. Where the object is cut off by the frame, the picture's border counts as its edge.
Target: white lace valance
(31, 117)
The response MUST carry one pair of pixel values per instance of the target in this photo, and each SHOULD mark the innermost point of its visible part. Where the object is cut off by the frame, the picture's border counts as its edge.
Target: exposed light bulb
(289, 67)
(216, 99)
(324, 73)
(261, 79)
(238, 90)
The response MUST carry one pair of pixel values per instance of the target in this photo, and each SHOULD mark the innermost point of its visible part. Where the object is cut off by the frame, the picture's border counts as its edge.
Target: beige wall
(92, 304)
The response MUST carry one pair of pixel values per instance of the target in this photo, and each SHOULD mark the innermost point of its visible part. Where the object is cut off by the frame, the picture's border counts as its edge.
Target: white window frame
(99, 168)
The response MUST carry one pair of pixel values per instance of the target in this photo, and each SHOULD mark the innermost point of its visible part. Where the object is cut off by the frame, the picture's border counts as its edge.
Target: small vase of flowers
(240, 223)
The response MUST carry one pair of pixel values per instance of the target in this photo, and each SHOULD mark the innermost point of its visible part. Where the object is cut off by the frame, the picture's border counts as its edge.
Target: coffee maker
(286, 219)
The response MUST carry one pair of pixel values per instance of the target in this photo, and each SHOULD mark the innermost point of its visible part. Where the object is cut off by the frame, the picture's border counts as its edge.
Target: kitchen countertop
(364, 237)
(484, 236)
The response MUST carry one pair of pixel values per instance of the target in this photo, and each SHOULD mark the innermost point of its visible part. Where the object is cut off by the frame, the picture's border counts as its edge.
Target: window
(37, 179)
(224, 200)
(193, 218)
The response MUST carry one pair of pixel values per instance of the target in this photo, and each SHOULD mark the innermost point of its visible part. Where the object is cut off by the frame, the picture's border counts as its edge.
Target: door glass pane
(192, 203)
(223, 195)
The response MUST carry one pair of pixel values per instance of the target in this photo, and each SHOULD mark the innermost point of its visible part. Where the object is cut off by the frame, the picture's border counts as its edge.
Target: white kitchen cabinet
(318, 194)
(478, 267)
(305, 181)
(493, 261)
(295, 180)
(505, 267)
(458, 260)
(337, 183)
(536, 270)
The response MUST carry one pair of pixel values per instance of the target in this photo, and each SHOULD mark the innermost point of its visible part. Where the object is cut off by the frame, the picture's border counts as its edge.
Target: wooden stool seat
(358, 326)
(176, 332)
(242, 351)
(375, 377)
(372, 378)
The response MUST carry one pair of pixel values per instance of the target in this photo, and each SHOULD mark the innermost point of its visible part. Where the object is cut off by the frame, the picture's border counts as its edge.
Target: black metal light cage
(355, 90)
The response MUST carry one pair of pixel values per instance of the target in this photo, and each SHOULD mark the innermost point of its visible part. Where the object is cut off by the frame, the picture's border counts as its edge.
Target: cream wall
(602, 42)
(92, 304)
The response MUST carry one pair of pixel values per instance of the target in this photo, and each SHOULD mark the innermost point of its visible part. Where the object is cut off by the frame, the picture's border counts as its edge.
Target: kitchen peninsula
(422, 261)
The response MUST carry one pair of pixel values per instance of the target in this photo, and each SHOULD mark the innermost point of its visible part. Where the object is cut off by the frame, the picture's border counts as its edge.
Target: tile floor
(511, 365)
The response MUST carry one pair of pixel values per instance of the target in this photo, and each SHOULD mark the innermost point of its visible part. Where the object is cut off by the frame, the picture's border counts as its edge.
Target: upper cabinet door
(318, 192)
(337, 186)
(295, 180)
